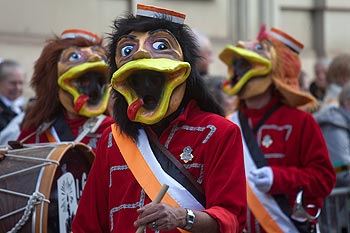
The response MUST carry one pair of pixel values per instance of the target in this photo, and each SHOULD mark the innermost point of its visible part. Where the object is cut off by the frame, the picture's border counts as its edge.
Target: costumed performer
(284, 150)
(162, 106)
(71, 84)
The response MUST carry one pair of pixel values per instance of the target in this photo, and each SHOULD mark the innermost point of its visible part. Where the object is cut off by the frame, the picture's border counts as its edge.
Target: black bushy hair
(195, 86)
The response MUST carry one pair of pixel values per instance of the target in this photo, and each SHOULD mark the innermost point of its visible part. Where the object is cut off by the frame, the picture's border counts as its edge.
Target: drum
(40, 186)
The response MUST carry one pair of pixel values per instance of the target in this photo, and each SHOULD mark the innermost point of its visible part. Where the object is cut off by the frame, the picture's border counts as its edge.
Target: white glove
(262, 178)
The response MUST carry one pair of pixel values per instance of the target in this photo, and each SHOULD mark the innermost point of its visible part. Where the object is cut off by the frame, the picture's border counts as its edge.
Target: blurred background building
(320, 24)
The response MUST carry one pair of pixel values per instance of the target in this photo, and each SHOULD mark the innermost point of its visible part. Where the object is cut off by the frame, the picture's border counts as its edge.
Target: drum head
(67, 186)
(58, 172)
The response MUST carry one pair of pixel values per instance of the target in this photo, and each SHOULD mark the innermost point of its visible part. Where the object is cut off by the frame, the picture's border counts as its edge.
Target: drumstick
(158, 198)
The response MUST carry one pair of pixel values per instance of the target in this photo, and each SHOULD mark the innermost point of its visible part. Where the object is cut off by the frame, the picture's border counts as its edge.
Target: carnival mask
(83, 78)
(248, 68)
(151, 74)
(273, 58)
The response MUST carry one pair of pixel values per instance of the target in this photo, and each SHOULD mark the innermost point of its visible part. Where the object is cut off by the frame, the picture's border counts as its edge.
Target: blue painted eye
(159, 45)
(74, 56)
(258, 47)
(127, 50)
(103, 59)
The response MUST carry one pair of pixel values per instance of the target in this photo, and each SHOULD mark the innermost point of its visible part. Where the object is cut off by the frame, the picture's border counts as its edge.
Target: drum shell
(74, 159)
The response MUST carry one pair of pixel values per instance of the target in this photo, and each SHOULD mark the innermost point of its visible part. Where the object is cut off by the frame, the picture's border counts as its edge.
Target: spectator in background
(303, 81)
(319, 85)
(337, 75)
(214, 84)
(335, 125)
(11, 99)
(205, 52)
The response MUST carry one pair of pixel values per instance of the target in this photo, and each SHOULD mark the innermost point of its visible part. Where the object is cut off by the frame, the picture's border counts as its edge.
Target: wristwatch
(189, 219)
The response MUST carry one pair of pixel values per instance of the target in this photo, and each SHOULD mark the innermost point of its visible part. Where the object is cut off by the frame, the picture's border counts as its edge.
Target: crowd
(236, 152)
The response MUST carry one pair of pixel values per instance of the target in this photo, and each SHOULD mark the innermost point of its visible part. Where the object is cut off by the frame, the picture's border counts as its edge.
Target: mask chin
(176, 99)
(67, 101)
(156, 115)
(255, 87)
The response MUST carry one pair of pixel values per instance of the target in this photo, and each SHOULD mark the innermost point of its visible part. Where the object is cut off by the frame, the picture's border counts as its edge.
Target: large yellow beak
(81, 105)
(175, 72)
(260, 66)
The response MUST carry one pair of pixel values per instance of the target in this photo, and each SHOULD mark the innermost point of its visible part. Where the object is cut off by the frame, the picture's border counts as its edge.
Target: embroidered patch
(267, 141)
(186, 154)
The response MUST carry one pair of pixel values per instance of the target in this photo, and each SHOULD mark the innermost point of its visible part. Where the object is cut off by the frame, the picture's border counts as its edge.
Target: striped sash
(149, 173)
(264, 207)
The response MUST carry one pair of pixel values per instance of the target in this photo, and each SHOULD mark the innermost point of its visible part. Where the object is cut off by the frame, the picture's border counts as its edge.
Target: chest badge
(267, 141)
(186, 154)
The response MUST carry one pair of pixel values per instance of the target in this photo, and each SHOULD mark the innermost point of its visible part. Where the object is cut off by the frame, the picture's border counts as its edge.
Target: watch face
(190, 219)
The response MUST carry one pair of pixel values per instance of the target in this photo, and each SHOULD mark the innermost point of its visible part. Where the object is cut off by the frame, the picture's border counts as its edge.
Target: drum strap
(64, 132)
(90, 126)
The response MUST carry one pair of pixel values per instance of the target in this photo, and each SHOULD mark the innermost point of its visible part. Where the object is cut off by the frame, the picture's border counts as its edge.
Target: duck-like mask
(83, 76)
(151, 72)
(272, 58)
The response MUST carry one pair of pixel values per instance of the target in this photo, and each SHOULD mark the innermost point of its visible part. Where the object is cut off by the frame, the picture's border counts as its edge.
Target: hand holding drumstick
(157, 200)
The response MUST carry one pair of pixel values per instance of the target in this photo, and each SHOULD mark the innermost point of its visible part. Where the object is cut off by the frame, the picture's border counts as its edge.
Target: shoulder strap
(90, 126)
(254, 148)
(248, 134)
(148, 172)
(62, 128)
(266, 116)
(138, 166)
(187, 179)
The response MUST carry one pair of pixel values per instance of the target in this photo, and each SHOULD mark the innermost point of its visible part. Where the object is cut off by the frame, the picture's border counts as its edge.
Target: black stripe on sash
(176, 174)
(62, 128)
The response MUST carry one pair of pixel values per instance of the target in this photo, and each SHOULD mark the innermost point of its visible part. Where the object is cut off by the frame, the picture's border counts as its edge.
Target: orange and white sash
(52, 135)
(149, 173)
(264, 207)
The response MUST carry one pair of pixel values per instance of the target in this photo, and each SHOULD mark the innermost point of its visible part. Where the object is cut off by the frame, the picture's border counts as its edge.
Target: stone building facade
(320, 24)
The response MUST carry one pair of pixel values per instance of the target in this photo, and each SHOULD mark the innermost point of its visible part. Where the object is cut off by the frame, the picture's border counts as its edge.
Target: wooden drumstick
(158, 198)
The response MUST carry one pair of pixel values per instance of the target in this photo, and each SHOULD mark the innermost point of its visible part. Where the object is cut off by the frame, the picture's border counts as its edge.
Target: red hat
(286, 39)
(154, 12)
(74, 33)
